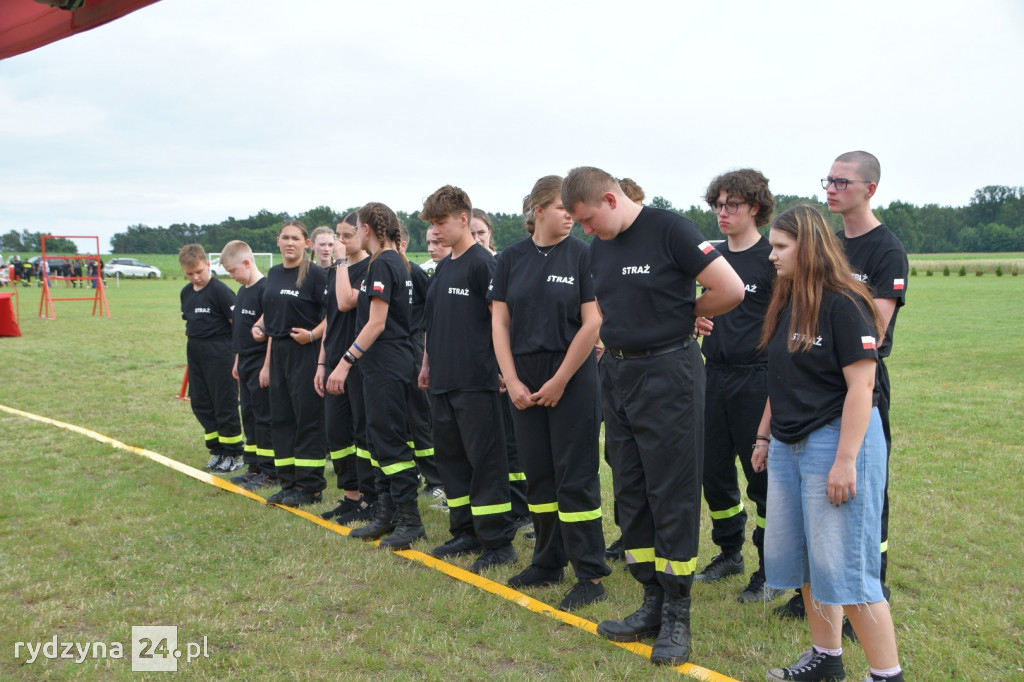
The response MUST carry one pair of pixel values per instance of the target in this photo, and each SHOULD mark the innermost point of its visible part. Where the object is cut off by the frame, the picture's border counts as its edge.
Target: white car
(130, 267)
(217, 269)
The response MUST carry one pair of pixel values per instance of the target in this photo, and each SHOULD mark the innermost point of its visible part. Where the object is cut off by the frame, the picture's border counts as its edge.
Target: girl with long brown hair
(821, 439)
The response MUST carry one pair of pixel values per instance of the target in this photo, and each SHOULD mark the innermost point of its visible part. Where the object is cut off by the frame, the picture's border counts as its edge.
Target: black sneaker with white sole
(818, 667)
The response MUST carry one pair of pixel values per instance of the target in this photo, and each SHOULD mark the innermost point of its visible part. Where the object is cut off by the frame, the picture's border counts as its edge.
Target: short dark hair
(448, 200)
(192, 254)
(747, 184)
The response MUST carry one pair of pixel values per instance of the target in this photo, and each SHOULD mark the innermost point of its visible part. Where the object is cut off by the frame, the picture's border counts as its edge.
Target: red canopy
(28, 24)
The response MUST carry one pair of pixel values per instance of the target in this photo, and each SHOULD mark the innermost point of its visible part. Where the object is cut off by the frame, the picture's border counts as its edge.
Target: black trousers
(560, 454)
(213, 393)
(469, 444)
(339, 425)
(883, 390)
(297, 415)
(516, 476)
(364, 471)
(654, 432)
(734, 405)
(387, 369)
(421, 432)
(255, 401)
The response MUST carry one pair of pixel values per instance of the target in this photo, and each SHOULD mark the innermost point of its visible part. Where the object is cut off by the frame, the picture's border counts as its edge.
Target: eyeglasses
(840, 183)
(729, 206)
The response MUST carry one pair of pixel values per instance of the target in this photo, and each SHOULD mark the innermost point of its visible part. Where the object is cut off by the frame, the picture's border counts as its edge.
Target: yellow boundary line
(444, 567)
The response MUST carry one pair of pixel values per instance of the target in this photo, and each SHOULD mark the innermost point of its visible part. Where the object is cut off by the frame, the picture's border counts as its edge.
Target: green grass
(94, 540)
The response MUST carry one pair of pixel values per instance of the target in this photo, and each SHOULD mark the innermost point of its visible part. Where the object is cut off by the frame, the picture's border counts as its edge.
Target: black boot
(644, 622)
(673, 644)
(383, 520)
(408, 527)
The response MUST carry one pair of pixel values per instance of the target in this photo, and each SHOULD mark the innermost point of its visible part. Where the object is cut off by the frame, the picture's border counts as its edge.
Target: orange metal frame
(99, 298)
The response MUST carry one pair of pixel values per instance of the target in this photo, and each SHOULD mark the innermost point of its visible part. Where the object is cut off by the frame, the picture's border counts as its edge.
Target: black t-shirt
(459, 324)
(286, 305)
(543, 292)
(879, 260)
(341, 325)
(807, 389)
(736, 333)
(644, 280)
(387, 279)
(420, 284)
(207, 312)
(248, 308)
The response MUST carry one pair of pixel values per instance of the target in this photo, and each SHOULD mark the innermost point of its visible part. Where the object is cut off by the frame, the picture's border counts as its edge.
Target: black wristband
(349, 358)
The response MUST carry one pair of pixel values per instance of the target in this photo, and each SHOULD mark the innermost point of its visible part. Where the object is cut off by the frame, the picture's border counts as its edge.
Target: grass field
(94, 540)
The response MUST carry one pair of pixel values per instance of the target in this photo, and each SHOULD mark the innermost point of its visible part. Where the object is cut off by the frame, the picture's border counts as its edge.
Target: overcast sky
(196, 110)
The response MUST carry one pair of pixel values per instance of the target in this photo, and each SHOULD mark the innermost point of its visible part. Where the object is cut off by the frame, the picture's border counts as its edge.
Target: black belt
(620, 354)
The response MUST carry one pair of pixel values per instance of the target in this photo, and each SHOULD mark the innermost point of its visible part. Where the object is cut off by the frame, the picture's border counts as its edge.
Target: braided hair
(384, 225)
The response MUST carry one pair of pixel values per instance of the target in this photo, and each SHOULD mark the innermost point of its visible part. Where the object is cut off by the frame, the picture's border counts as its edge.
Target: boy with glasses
(737, 376)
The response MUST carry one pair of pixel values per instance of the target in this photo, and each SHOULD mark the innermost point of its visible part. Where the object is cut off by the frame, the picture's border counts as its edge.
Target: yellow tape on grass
(412, 555)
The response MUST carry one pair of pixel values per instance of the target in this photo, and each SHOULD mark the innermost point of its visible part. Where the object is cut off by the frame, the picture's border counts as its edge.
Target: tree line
(992, 221)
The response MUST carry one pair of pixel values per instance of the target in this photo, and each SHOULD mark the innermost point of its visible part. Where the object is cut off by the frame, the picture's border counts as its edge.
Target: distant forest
(993, 221)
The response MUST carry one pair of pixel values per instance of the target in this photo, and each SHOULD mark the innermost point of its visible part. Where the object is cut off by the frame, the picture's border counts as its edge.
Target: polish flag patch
(898, 284)
(868, 342)
(378, 286)
(705, 247)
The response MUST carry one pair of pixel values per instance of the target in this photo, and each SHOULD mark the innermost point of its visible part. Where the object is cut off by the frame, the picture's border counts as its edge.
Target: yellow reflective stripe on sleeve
(640, 555)
(392, 469)
(675, 567)
(365, 454)
(230, 439)
(343, 453)
(885, 547)
(577, 517)
(264, 452)
(458, 501)
(516, 476)
(543, 508)
(284, 462)
(213, 435)
(727, 513)
(759, 520)
(310, 462)
(489, 509)
(425, 452)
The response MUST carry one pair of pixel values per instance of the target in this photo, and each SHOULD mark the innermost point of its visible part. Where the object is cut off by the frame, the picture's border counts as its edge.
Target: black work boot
(383, 521)
(644, 622)
(408, 527)
(673, 644)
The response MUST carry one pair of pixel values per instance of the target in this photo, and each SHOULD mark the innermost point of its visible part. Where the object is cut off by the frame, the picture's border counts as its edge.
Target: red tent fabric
(28, 24)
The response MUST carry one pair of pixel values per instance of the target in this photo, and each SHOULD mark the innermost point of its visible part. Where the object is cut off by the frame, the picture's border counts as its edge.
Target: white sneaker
(229, 464)
(214, 463)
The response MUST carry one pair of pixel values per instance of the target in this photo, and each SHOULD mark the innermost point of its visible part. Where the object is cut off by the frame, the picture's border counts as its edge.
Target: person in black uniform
(383, 349)
(736, 372)
(821, 440)
(236, 257)
(545, 324)
(345, 416)
(645, 262)
(292, 308)
(879, 261)
(206, 305)
(461, 373)
(421, 434)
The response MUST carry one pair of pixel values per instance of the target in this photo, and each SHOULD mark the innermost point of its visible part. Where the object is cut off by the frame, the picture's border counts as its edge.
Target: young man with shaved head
(645, 263)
